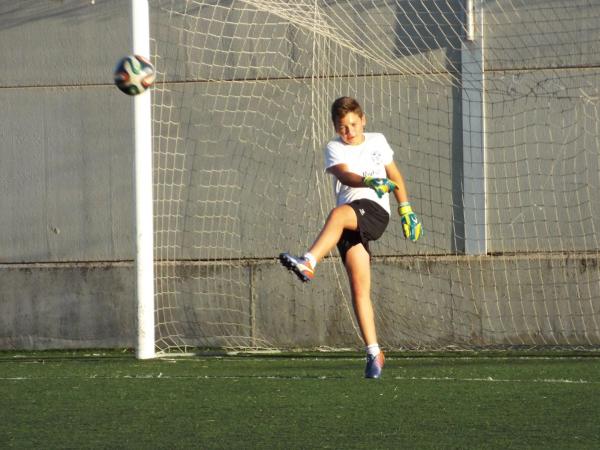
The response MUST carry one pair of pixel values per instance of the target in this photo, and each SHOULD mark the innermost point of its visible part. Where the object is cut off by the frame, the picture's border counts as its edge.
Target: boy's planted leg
(358, 266)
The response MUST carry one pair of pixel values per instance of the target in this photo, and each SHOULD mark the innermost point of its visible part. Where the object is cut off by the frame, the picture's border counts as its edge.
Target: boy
(365, 172)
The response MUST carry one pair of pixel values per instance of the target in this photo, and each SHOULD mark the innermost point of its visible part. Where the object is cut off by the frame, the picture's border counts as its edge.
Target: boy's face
(350, 128)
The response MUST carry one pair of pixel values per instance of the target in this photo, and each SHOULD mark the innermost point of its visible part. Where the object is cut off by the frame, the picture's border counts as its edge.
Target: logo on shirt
(377, 157)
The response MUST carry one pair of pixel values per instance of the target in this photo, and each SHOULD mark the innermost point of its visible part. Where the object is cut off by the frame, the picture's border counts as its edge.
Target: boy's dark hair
(343, 106)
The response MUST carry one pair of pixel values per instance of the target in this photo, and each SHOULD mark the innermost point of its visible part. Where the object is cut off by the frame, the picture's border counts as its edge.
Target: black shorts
(372, 222)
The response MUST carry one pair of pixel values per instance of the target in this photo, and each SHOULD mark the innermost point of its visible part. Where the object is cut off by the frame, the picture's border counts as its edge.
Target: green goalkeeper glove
(410, 224)
(381, 186)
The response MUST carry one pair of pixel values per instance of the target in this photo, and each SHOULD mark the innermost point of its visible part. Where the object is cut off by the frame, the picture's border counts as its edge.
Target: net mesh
(240, 119)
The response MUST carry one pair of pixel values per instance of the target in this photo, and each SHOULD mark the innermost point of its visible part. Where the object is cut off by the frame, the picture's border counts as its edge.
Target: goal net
(491, 109)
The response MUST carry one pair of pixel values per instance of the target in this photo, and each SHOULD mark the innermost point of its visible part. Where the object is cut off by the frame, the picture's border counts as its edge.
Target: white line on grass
(161, 376)
(498, 380)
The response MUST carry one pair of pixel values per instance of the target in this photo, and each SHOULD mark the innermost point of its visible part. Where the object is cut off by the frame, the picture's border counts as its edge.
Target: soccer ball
(134, 74)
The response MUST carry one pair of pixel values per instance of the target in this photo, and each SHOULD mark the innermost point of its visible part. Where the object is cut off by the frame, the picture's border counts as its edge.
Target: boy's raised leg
(340, 218)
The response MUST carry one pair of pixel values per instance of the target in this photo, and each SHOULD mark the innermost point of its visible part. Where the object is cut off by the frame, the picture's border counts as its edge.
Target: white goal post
(144, 230)
(492, 110)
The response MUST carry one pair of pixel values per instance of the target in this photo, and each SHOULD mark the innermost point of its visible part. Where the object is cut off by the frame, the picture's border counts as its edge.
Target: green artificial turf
(111, 400)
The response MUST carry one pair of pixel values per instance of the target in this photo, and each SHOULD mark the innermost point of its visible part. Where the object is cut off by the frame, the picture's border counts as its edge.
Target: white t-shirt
(366, 159)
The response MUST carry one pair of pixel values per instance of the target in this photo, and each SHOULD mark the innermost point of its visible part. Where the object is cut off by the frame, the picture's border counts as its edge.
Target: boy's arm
(393, 173)
(411, 226)
(341, 172)
(381, 186)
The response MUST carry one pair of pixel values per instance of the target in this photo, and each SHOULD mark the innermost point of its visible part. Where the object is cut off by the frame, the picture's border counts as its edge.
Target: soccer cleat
(300, 266)
(374, 365)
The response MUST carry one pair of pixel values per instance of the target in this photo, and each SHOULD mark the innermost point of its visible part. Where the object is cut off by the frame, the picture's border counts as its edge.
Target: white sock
(311, 259)
(373, 349)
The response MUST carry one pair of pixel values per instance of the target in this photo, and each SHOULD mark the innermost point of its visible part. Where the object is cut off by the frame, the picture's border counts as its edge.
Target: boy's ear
(364, 120)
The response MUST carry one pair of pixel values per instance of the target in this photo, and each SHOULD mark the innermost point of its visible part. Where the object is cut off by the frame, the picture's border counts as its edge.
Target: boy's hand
(381, 186)
(410, 224)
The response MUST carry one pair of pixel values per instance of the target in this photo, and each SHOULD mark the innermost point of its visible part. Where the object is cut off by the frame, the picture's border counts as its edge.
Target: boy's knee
(344, 215)
(343, 211)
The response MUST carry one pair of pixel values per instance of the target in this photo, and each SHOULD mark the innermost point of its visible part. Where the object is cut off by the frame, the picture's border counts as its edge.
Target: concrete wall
(67, 164)
(67, 244)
